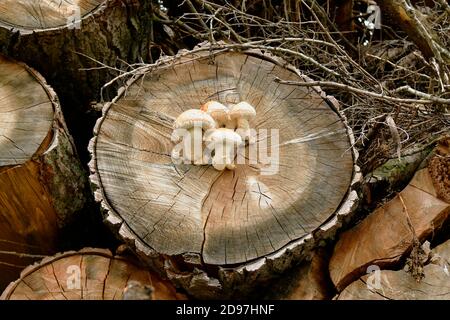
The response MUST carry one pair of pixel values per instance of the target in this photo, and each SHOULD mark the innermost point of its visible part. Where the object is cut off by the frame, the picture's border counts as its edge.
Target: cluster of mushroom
(217, 128)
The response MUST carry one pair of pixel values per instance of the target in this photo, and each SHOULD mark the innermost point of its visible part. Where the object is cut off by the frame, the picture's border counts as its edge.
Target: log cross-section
(88, 274)
(26, 114)
(226, 218)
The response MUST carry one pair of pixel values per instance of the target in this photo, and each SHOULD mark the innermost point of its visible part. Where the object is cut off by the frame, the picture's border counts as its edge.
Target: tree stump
(41, 180)
(89, 274)
(56, 38)
(223, 230)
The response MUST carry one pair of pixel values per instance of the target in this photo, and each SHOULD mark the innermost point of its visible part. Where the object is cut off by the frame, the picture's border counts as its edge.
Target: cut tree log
(60, 38)
(399, 285)
(42, 183)
(218, 232)
(89, 274)
(387, 234)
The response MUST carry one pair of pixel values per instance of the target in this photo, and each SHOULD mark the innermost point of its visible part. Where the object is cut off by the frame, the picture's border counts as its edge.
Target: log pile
(66, 40)
(61, 39)
(296, 214)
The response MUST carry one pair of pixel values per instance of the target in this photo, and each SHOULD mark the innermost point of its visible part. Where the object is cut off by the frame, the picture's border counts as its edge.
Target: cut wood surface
(38, 169)
(399, 285)
(34, 15)
(229, 217)
(26, 113)
(89, 274)
(386, 235)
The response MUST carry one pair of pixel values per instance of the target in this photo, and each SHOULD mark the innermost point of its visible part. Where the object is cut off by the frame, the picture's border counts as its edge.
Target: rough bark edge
(24, 31)
(227, 280)
(60, 167)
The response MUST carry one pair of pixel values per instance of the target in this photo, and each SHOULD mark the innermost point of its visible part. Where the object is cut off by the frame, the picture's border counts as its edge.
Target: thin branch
(219, 48)
(395, 65)
(428, 98)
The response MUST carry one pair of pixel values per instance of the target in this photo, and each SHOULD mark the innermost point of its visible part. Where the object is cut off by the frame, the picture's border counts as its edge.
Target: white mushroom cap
(216, 110)
(224, 135)
(194, 118)
(242, 110)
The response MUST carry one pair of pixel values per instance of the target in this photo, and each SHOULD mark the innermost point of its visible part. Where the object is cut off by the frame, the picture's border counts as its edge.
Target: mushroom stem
(223, 156)
(192, 149)
(221, 123)
(175, 154)
(219, 160)
(242, 123)
(231, 124)
(243, 129)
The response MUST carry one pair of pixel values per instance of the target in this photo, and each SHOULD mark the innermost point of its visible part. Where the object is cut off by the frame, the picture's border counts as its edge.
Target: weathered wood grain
(34, 15)
(102, 277)
(26, 114)
(230, 217)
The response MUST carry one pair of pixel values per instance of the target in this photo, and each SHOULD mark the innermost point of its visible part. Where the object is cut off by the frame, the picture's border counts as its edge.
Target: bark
(42, 184)
(226, 227)
(309, 281)
(392, 176)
